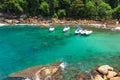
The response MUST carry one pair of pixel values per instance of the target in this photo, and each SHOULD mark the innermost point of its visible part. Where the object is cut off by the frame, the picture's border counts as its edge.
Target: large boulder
(115, 78)
(111, 74)
(104, 69)
(45, 72)
(98, 77)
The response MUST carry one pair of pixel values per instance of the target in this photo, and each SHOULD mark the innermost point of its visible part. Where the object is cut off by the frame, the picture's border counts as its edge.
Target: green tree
(116, 12)
(77, 9)
(33, 7)
(53, 6)
(55, 15)
(65, 4)
(13, 6)
(113, 3)
(61, 13)
(44, 8)
(90, 10)
(104, 10)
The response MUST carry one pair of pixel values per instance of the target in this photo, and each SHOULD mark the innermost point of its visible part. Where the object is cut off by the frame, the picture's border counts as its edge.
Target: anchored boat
(81, 31)
(51, 29)
(78, 30)
(66, 29)
(86, 32)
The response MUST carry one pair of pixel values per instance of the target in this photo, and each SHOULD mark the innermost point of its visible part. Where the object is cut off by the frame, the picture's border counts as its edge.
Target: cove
(26, 46)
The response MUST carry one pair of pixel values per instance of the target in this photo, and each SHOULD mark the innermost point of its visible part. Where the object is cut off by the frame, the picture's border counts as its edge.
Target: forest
(76, 9)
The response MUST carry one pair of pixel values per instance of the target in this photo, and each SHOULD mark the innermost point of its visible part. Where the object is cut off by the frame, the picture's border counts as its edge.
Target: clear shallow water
(25, 46)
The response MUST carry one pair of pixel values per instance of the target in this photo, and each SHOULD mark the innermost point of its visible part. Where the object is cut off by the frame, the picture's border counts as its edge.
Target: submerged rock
(81, 76)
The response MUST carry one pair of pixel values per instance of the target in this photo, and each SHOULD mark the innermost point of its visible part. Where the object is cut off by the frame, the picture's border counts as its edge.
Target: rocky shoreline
(46, 22)
(55, 72)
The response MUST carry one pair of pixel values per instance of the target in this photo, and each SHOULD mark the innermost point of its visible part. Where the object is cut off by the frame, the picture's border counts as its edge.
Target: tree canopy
(78, 9)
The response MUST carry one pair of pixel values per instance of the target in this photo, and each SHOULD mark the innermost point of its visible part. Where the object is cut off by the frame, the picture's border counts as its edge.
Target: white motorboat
(51, 29)
(66, 29)
(78, 30)
(83, 31)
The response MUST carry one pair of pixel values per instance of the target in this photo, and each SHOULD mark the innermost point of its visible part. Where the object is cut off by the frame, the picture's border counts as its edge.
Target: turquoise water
(25, 46)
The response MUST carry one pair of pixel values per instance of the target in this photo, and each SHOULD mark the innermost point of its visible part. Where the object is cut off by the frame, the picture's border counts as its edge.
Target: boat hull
(51, 29)
(83, 32)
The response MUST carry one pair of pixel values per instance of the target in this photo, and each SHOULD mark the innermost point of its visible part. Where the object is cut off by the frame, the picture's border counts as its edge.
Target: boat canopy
(79, 28)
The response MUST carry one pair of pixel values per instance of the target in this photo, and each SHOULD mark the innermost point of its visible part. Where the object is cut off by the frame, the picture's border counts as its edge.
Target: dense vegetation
(84, 9)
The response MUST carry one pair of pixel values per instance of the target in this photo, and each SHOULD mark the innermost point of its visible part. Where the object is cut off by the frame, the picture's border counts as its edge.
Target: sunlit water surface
(25, 46)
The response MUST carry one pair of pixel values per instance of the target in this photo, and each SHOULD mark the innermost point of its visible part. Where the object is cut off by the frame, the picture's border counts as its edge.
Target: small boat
(85, 32)
(81, 31)
(51, 29)
(66, 29)
(78, 30)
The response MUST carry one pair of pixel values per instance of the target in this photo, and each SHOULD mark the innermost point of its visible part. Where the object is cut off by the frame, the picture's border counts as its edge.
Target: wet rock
(115, 78)
(94, 72)
(111, 74)
(104, 69)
